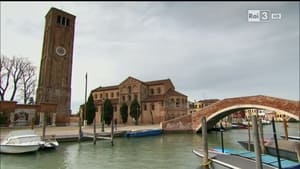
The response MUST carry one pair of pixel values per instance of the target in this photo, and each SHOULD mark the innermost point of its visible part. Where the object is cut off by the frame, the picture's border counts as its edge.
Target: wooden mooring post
(94, 140)
(112, 132)
(286, 134)
(44, 126)
(256, 143)
(261, 136)
(32, 123)
(204, 141)
(80, 130)
(276, 143)
(249, 137)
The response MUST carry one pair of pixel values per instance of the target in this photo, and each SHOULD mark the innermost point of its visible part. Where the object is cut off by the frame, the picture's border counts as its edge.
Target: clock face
(60, 51)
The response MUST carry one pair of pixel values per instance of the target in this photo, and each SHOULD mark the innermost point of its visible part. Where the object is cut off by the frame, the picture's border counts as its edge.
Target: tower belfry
(54, 85)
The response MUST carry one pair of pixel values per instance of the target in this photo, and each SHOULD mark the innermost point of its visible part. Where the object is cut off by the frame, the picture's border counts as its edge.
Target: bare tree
(18, 68)
(5, 70)
(28, 82)
(17, 75)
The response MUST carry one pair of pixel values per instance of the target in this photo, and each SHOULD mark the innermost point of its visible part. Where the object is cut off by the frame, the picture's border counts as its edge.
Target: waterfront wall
(179, 124)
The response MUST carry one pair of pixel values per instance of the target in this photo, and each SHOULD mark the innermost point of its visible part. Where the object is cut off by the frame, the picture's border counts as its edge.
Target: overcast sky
(208, 49)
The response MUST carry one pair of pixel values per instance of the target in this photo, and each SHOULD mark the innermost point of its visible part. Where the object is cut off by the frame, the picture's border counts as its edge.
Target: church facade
(159, 101)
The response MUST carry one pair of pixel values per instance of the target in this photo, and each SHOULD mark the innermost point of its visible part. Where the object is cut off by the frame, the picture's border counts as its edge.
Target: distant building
(258, 112)
(278, 116)
(198, 105)
(158, 99)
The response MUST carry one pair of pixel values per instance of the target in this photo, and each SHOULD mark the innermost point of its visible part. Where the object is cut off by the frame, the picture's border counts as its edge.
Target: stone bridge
(223, 108)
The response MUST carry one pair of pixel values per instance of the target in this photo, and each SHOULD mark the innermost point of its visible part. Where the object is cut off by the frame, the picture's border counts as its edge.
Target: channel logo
(262, 16)
(259, 15)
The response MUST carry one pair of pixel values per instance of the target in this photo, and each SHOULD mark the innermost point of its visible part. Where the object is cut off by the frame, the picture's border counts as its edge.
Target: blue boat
(143, 133)
(219, 160)
(266, 159)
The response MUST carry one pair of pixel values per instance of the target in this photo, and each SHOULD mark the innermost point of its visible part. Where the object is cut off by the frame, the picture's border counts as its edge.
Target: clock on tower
(55, 76)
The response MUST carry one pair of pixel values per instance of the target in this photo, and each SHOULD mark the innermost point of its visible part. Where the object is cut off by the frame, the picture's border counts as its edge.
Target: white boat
(49, 143)
(265, 122)
(293, 138)
(20, 141)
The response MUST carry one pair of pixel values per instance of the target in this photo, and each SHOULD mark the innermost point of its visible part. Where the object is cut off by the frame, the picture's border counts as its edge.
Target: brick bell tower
(55, 76)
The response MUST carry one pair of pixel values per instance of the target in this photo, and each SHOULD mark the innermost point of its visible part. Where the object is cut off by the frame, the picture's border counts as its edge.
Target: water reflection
(162, 152)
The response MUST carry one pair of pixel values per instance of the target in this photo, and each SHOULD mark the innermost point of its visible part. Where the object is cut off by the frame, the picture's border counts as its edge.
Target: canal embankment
(71, 133)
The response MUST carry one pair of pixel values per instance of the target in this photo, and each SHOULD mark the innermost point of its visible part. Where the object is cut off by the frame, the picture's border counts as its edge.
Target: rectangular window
(68, 22)
(158, 90)
(129, 97)
(106, 95)
(111, 95)
(135, 96)
(123, 98)
(151, 91)
(177, 102)
(63, 20)
(58, 19)
(152, 107)
(145, 107)
(117, 94)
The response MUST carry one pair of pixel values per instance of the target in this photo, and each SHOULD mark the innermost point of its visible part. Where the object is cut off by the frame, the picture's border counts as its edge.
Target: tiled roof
(156, 82)
(106, 88)
(209, 100)
(129, 77)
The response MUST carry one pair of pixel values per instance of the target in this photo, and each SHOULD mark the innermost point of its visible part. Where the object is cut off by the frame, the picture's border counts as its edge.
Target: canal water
(169, 151)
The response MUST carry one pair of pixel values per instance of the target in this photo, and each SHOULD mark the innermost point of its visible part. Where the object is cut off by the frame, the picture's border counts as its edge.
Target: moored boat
(287, 149)
(239, 126)
(294, 138)
(219, 160)
(143, 133)
(20, 141)
(266, 159)
(49, 143)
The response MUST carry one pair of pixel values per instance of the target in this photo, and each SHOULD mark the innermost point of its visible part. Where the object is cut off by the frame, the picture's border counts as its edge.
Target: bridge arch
(227, 106)
(215, 117)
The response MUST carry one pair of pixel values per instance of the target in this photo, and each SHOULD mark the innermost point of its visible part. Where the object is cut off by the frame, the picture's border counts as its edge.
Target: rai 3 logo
(259, 15)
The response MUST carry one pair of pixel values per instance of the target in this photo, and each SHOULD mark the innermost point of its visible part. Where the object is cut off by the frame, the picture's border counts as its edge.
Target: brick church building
(158, 99)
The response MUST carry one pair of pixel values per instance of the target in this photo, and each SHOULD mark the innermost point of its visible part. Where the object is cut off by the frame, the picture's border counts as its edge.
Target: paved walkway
(71, 130)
